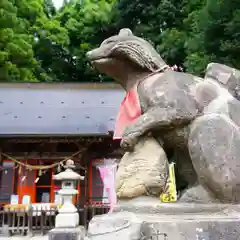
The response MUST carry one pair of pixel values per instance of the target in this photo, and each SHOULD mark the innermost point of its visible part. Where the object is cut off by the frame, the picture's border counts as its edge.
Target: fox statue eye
(107, 42)
(110, 41)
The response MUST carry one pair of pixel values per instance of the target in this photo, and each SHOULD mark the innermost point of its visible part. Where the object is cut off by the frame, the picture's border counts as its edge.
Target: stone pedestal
(154, 220)
(67, 234)
(68, 216)
(70, 220)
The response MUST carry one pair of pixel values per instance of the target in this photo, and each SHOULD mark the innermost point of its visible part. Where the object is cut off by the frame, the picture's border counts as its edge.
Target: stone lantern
(68, 216)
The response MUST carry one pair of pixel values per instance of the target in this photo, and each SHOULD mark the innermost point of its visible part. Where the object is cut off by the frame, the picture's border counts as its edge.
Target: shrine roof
(45, 109)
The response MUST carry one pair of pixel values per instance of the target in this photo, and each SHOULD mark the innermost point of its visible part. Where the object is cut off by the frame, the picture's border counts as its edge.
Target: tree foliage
(17, 59)
(41, 43)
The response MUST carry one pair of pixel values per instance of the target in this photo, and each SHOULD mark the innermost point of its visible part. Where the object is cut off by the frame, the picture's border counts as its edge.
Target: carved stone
(143, 171)
(184, 113)
(228, 77)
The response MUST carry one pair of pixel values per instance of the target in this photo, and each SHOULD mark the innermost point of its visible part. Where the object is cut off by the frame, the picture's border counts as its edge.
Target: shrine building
(44, 124)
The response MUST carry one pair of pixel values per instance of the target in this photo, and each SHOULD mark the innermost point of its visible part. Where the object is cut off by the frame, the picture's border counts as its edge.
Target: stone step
(178, 228)
(168, 222)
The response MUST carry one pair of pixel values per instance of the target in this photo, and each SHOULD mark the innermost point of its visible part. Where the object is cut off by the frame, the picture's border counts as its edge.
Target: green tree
(50, 39)
(17, 61)
(88, 24)
(214, 35)
(33, 44)
(190, 33)
(39, 43)
(51, 49)
(160, 22)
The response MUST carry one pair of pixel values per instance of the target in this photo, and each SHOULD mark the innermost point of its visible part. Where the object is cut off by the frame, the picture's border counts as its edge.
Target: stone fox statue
(172, 110)
(165, 96)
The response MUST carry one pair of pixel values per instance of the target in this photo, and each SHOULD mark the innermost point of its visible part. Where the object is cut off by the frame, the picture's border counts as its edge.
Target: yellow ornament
(170, 192)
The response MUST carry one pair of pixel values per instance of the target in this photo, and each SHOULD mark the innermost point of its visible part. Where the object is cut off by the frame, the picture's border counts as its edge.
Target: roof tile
(58, 111)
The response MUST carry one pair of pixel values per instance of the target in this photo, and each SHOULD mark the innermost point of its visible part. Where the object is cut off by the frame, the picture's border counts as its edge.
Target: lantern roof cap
(68, 174)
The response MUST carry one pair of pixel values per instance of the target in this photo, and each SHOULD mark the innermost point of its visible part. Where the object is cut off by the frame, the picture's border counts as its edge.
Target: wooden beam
(25, 156)
(65, 86)
(82, 160)
(1, 163)
(69, 139)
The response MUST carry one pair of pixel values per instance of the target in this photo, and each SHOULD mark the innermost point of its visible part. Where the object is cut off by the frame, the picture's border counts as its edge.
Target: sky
(58, 3)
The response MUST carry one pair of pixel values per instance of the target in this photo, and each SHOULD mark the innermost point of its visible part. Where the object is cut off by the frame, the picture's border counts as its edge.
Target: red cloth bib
(130, 110)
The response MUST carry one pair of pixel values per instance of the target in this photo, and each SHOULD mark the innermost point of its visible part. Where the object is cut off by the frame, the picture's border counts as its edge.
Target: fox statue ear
(125, 32)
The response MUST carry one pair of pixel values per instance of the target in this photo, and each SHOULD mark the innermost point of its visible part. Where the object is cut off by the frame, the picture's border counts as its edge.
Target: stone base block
(67, 220)
(188, 229)
(67, 234)
(168, 222)
(120, 226)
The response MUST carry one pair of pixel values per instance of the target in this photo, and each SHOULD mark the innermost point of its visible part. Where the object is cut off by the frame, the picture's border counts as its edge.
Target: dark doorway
(43, 187)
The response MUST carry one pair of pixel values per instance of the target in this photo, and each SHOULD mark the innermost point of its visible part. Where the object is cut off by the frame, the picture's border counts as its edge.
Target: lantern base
(67, 220)
(67, 233)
